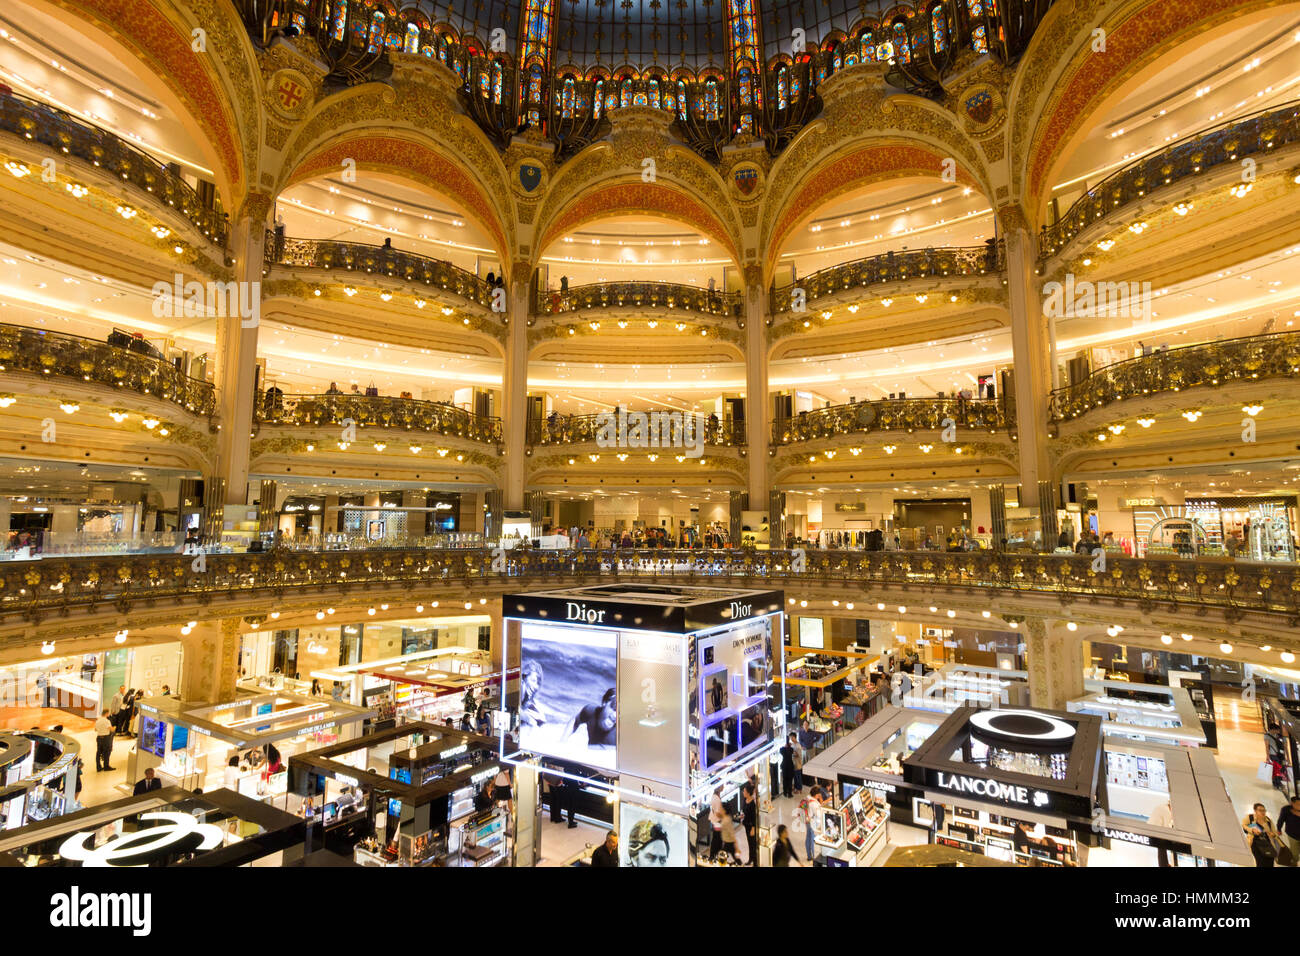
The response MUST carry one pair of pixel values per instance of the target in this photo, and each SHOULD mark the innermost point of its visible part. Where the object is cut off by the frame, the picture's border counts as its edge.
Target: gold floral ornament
(1232, 578)
(124, 573)
(32, 578)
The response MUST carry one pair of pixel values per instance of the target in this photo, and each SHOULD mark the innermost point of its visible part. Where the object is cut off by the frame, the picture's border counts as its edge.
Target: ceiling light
(1253, 409)
(1105, 244)
(986, 614)
(1071, 626)
(77, 189)
(150, 423)
(902, 609)
(1191, 415)
(349, 290)
(126, 212)
(1183, 208)
(1146, 422)
(1225, 647)
(117, 415)
(69, 407)
(18, 170)
(162, 232)
(1166, 639)
(47, 647)
(1287, 657)
(6, 400)
(1241, 189)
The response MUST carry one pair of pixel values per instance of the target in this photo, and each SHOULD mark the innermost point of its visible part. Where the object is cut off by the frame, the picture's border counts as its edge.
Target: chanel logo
(131, 849)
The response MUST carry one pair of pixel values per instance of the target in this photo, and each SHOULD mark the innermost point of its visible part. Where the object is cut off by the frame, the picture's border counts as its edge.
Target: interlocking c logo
(122, 850)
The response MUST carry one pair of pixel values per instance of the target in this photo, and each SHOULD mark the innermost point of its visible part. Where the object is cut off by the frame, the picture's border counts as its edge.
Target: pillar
(210, 664)
(1030, 347)
(1055, 661)
(758, 408)
(236, 352)
(514, 386)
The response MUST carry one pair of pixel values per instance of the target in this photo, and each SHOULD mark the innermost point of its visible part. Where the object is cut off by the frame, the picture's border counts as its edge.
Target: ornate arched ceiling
(216, 87)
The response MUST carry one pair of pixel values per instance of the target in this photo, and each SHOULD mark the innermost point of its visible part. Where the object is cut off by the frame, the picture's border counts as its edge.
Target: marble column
(210, 666)
(1030, 350)
(236, 351)
(514, 386)
(758, 410)
(1055, 663)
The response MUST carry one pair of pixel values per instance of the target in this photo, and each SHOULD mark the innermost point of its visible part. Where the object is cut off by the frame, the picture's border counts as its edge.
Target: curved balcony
(30, 591)
(1226, 143)
(585, 429)
(1247, 359)
(85, 360)
(380, 261)
(987, 259)
(905, 414)
(639, 295)
(73, 137)
(378, 411)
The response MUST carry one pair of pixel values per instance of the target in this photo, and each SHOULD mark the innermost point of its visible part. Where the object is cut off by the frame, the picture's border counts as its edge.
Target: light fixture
(126, 212)
(1287, 657)
(320, 615)
(855, 452)
(275, 615)
(468, 605)
(986, 614)
(902, 609)
(77, 189)
(370, 611)
(1183, 208)
(47, 647)
(1138, 228)
(1252, 409)
(6, 399)
(69, 408)
(117, 415)
(447, 310)
(343, 445)
(1192, 415)
(415, 449)
(419, 609)
(1241, 189)
(1225, 647)
(1146, 422)
(329, 610)
(161, 232)
(926, 449)
(1115, 429)
(17, 170)
(150, 423)
(380, 446)
(178, 249)
(442, 452)
(890, 449)
(1166, 639)
(849, 605)
(386, 296)
(1105, 244)
(419, 303)
(951, 613)
(880, 605)
(1186, 637)
(803, 603)
(886, 302)
(933, 609)
(349, 290)
(1071, 626)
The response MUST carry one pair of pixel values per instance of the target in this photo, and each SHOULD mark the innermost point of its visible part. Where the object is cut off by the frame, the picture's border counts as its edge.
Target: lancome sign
(991, 789)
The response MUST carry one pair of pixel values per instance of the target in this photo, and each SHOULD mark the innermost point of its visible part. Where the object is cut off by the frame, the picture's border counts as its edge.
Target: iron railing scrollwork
(80, 359)
(586, 429)
(378, 411)
(1249, 359)
(32, 590)
(667, 295)
(377, 260)
(904, 414)
(75, 137)
(988, 259)
(1227, 143)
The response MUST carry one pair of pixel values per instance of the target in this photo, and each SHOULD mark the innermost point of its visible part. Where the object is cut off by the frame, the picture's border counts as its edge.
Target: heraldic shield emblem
(979, 107)
(530, 176)
(746, 180)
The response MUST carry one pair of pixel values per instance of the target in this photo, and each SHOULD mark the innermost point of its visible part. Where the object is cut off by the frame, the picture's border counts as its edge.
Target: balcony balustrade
(584, 429)
(377, 411)
(903, 414)
(639, 295)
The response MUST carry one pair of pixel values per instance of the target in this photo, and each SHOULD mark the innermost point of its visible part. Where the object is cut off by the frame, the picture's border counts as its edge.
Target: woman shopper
(1261, 835)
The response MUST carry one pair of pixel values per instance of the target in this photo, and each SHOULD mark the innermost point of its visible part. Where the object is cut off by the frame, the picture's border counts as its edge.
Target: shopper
(607, 853)
(115, 709)
(783, 849)
(716, 812)
(1261, 835)
(149, 783)
(810, 813)
(728, 832)
(797, 756)
(103, 741)
(787, 765)
(749, 818)
(1288, 825)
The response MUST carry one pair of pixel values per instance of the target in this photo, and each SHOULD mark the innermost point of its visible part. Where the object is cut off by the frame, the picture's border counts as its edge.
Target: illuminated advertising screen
(729, 692)
(648, 838)
(652, 732)
(153, 736)
(568, 697)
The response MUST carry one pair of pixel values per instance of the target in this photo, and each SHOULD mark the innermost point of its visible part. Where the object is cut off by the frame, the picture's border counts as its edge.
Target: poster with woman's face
(568, 693)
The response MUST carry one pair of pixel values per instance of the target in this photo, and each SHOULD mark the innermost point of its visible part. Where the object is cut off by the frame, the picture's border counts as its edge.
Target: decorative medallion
(529, 177)
(290, 93)
(982, 107)
(745, 179)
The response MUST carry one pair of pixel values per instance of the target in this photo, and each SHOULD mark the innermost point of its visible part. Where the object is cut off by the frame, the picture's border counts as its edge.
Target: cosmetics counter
(168, 827)
(957, 685)
(411, 795)
(1142, 712)
(192, 746)
(38, 776)
(855, 832)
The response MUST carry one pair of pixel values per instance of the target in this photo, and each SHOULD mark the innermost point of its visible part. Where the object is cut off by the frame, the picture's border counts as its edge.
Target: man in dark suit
(607, 853)
(150, 782)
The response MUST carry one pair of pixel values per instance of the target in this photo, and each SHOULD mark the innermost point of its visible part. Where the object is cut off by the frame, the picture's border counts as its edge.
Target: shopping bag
(1265, 772)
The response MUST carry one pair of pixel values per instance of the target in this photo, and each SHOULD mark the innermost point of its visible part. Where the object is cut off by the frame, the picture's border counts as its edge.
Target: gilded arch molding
(409, 157)
(640, 198)
(218, 88)
(1061, 83)
(413, 129)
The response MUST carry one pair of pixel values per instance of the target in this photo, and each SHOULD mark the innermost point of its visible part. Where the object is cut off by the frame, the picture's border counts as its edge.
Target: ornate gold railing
(73, 137)
(85, 360)
(580, 429)
(31, 590)
(667, 295)
(906, 414)
(1173, 370)
(1227, 143)
(377, 411)
(987, 259)
(377, 260)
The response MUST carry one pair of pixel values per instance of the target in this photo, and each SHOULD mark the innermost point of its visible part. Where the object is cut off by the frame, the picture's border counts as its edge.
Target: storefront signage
(580, 612)
(880, 787)
(1027, 725)
(132, 849)
(741, 610)
(453, 751)
(314, 648)
(992, 789)
(1126, 836)
(850, 507)
(484, 774)
(345, 779)
(1141, 502)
